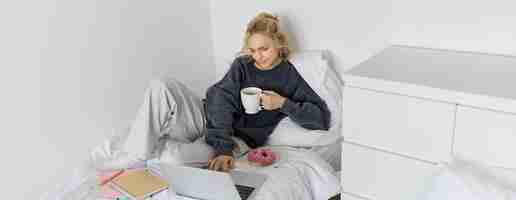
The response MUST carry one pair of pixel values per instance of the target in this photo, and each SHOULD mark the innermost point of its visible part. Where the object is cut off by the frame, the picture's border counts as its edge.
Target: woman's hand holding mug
(272, 100)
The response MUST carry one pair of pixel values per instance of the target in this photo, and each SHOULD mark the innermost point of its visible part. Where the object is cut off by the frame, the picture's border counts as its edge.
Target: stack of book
(137, 184)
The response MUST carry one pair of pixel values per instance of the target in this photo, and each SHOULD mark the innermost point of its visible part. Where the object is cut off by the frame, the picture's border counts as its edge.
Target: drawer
(376, 175)
(487, 136)
(410, 126)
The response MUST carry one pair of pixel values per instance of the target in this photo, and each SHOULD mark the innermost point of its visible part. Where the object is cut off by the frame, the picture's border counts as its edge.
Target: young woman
(174, 117)
(263, 65)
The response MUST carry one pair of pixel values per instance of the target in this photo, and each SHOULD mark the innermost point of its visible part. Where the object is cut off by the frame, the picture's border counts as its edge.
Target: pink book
(109, 193)
(106, 190)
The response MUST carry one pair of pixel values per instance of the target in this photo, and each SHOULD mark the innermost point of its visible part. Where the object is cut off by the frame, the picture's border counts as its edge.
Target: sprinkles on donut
(262, 156)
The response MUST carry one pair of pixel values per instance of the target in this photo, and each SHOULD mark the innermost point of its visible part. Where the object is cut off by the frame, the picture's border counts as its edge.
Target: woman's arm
(222, 105)
(306, 108)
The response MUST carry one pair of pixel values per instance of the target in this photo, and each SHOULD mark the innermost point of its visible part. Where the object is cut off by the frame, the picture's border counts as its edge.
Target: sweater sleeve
(306, 108)
(222, 104)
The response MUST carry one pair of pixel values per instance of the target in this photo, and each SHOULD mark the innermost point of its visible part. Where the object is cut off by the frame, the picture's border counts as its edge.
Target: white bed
(309, 160)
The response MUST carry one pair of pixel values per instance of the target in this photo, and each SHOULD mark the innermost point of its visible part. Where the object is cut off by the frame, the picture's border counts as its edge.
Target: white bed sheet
(298, 174)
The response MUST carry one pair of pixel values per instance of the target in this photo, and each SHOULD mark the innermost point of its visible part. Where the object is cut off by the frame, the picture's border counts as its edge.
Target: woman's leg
(169, 108)
(196, 153)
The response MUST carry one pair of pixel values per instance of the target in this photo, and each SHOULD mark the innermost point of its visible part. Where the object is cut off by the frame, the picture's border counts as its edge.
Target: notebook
(139, 184)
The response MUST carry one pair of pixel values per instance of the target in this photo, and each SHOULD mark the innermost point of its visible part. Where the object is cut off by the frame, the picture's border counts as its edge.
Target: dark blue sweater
(225, 113)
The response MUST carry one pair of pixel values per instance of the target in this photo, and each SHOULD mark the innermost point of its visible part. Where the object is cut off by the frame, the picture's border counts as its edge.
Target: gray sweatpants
(169, 125)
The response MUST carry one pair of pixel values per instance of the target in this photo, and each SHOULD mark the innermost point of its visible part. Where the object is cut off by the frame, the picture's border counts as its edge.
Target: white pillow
(291, 134)
(325, 82)
(472, 180)
(311, 65)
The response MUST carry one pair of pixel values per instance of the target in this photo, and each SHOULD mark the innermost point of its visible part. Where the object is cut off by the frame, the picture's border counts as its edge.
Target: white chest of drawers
(407, 109)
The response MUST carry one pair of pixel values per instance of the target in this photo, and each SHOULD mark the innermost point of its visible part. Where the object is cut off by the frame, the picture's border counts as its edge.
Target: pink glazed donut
(262, 156)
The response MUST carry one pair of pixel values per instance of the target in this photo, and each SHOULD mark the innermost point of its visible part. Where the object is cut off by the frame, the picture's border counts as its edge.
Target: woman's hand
(271, 100)
(222, 163)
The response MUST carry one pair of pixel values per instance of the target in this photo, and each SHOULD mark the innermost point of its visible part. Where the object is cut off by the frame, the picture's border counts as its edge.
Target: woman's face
(263, 51)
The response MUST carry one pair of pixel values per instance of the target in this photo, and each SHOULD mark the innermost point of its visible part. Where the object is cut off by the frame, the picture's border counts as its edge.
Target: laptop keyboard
(244, 191)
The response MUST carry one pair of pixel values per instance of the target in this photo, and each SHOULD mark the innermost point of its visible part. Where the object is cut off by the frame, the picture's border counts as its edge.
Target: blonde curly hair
(267, 24)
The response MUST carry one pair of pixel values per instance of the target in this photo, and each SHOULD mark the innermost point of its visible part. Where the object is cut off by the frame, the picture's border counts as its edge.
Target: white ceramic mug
(251, 99)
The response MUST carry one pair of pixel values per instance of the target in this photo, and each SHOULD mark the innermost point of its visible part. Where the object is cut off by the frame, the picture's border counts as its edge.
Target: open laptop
(199, 183)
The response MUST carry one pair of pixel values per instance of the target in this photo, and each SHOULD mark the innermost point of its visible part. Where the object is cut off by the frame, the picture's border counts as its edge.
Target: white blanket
(298, 174)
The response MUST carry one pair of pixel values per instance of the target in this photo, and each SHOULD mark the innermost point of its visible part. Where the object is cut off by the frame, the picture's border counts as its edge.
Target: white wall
(354, 30)
(88, 63)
